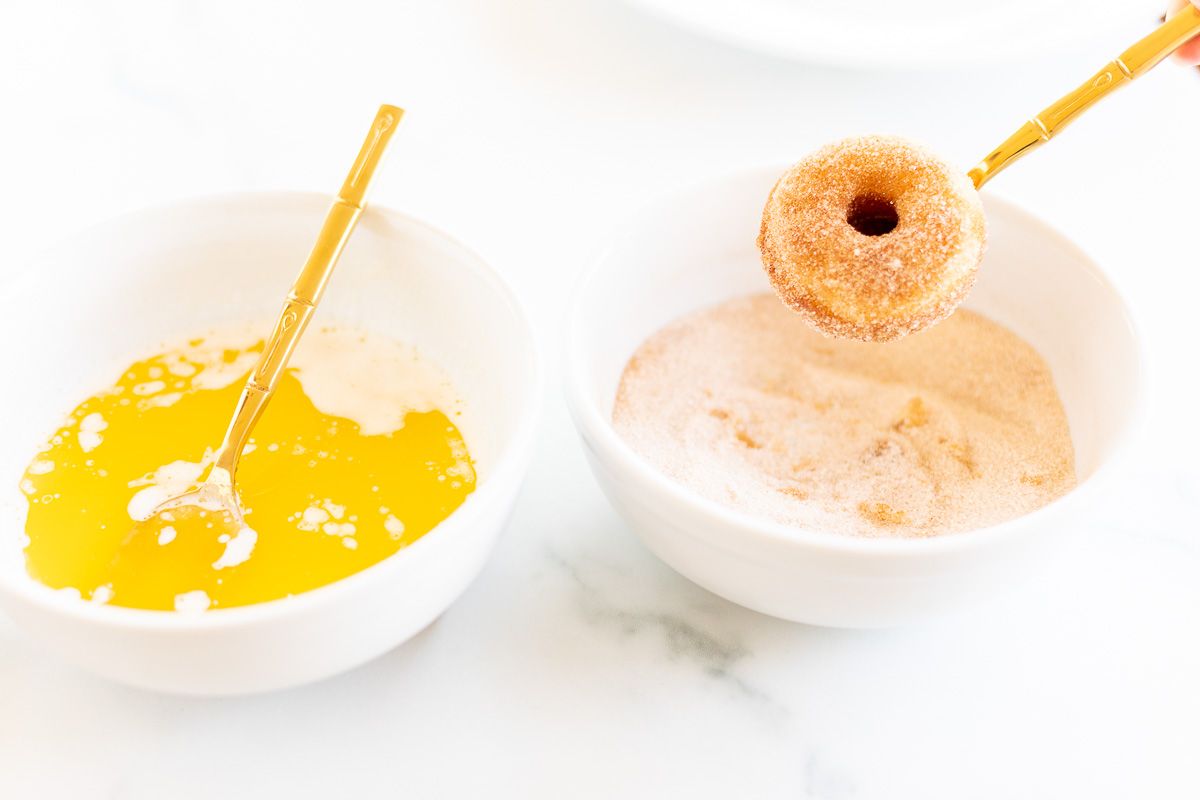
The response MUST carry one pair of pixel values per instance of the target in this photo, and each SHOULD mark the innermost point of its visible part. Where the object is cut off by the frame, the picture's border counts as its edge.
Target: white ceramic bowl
(696, 249)
(90, 307)
(880, 34)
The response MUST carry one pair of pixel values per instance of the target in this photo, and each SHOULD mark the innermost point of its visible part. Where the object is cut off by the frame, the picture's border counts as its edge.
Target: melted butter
(357, 456)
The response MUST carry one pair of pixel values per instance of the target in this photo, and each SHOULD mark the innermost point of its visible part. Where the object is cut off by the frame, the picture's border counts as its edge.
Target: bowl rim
(598, 432)
(507, 470)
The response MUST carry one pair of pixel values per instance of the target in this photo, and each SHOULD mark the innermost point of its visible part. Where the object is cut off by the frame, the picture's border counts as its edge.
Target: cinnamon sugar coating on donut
(873, 286)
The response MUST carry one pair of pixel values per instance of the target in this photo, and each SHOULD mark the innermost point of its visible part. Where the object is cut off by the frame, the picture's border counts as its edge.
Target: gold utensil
(218, 491)
(1183, 26)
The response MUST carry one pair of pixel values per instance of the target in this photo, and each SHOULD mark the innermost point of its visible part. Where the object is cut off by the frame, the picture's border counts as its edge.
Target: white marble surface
(578, 666)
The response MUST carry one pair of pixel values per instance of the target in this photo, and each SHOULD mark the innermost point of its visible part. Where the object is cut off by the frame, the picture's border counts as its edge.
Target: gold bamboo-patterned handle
(1134, 62)
(307, 290)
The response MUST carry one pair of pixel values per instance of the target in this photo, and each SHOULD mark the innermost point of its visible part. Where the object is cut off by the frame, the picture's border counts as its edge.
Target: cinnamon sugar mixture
(954, 428)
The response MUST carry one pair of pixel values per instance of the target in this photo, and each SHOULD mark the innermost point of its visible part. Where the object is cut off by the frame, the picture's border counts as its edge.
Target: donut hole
(872, 215)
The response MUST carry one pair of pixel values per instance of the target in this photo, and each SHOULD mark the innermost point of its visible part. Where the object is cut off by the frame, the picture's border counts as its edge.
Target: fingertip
(1189, 53)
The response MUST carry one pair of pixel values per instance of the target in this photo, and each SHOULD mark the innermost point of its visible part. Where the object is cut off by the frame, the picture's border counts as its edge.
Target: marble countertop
(578, 665)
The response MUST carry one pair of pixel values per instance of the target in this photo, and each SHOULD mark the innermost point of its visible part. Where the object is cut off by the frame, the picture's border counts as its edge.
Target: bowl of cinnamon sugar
(836, 482)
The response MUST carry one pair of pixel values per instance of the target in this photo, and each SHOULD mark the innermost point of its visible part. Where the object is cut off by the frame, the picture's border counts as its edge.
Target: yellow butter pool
(358, 455)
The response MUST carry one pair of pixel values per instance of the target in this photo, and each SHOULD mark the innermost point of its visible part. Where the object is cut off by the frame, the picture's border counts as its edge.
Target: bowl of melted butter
(374, 487)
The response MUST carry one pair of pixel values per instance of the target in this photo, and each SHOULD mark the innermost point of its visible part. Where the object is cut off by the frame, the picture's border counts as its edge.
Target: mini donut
(872, 238)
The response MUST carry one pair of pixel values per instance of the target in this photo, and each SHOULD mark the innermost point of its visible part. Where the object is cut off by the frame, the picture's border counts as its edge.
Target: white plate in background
(911, 33)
